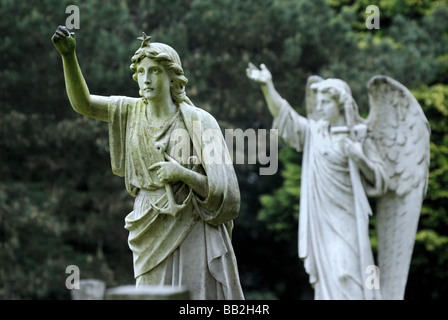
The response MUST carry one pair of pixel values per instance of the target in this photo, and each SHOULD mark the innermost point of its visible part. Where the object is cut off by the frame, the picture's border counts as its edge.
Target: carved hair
(341, 93)
(168, 57)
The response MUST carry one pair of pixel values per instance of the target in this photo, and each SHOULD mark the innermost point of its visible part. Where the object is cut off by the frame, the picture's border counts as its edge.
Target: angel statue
(347, 160)
(180, 227)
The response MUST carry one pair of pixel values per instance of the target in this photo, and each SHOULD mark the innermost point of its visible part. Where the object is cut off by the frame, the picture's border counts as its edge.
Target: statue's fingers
(170, 159)
(64, 30)
(155, 165)
(249, 69)
(161, 177)
(252, 66)
(348, 145)
(60, 34)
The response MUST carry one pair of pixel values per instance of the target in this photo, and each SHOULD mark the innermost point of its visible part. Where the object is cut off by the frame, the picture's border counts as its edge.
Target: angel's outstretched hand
(261, 76)
(64, 40)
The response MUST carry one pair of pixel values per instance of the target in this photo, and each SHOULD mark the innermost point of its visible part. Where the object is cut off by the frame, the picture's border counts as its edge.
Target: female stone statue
(185, 203)
(345, 160)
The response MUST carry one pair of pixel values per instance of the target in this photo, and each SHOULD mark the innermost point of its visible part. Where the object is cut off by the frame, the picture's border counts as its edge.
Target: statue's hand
(359, 132)
(64, 40)
(261, 76)
(353, 149)
(168, 171)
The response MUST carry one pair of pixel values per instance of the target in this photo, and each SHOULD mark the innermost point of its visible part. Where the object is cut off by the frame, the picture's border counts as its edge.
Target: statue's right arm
(263, 77)
(78, 93)
(291, 125)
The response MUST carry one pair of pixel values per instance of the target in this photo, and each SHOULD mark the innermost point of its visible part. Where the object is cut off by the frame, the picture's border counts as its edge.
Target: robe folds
(329, 232)
(193, 249)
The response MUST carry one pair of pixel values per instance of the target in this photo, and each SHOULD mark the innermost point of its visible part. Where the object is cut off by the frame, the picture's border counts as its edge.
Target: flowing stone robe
(328, 231)
(194, 249)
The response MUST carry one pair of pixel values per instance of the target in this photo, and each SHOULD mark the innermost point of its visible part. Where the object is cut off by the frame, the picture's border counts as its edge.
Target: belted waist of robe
(154, 236)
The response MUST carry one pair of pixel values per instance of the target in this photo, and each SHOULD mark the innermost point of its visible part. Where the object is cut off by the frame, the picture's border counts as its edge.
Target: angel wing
(402, 132)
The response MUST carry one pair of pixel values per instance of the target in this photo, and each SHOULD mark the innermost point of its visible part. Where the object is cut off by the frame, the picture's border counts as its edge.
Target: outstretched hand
(64, 40)
(261, 76)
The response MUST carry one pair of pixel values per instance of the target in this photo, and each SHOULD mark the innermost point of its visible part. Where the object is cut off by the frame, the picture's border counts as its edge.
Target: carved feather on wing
(401, 131)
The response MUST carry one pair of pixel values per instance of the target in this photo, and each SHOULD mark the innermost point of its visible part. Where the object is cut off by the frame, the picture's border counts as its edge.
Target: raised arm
(82, 101)
(263, 77)
(291, 125)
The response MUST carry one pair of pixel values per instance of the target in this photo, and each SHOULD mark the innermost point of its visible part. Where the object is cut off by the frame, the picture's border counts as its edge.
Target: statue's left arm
(365, 154)
(355, 151)
(221, 202)
(171, 171)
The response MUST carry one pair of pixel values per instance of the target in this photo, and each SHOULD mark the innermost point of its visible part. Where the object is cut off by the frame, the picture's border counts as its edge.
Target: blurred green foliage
(60, 204)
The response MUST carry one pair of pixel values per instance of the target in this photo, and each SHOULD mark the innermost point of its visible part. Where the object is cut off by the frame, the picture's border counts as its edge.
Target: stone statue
(347, 159)
(180, 227)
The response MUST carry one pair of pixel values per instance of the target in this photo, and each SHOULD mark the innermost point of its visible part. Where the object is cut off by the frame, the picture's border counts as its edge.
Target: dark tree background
(60, 204)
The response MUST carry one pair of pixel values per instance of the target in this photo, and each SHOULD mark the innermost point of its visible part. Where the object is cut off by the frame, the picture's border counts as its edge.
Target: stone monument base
(131, 292)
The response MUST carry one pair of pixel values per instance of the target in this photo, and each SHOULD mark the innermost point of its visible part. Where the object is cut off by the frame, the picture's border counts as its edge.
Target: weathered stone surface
(131, 292)
(90, 289)
(185, 186)
(347, 159)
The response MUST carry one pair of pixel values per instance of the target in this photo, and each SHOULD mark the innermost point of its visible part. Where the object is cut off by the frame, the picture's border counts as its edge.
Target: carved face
(328, 108)
(153, 80)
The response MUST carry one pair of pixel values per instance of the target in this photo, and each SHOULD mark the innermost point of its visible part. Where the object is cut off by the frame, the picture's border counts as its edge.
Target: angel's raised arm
(82, 101)
(263, 77)
(291, 125)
